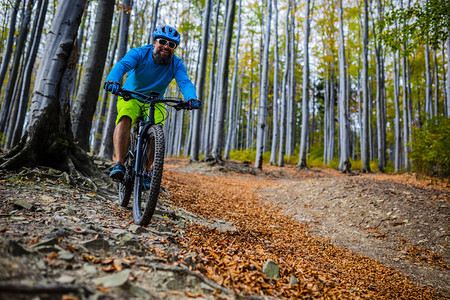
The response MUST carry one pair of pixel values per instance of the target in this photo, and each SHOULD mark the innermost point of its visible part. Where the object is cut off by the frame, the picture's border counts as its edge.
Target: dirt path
(397, 220)
(330, 236)
(404, 226)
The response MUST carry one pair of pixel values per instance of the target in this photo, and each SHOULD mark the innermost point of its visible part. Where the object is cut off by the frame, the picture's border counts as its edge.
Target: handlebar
(176, 103)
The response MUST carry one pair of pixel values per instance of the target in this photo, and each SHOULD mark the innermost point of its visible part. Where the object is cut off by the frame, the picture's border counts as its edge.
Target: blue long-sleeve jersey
(145, 75)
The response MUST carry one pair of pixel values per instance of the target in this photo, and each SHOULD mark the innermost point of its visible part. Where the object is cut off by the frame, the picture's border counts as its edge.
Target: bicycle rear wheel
(144, 200)
(126, 186)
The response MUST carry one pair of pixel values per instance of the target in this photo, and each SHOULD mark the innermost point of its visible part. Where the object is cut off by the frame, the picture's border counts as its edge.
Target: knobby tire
(144, 201)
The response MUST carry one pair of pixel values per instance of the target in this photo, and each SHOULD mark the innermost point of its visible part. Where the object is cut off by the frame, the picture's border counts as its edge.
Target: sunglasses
(164, 42)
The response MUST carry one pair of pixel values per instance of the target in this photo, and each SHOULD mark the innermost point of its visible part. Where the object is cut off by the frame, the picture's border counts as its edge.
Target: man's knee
(124, 122)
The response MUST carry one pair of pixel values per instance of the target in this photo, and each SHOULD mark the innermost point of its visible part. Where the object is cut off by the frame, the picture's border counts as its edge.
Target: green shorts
(134, 109)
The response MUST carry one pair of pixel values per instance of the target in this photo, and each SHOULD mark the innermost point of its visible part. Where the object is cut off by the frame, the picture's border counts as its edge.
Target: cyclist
(150, 70)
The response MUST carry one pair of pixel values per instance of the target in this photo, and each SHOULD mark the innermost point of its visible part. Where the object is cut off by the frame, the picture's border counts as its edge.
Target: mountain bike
(145, 158)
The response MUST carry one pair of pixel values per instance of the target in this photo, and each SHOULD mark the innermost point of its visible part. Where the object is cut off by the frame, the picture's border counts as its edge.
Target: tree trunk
(290, 131)
(365, 126)
(428, 104)
(397, 126)
(98, 132)
(344, 140)
(405, 114)
(106, 149)
(283, 115)
(305, 100)
(48, 140)
(87, 97)
(223, 88)
(18, 122)
(201, 81)
(436, 85)
(331, 117)
(448, 76)
(231, 115)
(380, 98)
(212, 87)
(275, 111)
(154, 21)
(262, 114)
(20, 45)
(9, 42)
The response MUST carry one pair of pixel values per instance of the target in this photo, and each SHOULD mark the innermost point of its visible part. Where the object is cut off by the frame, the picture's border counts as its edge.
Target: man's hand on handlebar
(112, 86)
(194, 104)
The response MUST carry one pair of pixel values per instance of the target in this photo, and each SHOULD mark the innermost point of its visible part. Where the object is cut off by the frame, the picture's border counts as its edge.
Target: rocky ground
(225, 232)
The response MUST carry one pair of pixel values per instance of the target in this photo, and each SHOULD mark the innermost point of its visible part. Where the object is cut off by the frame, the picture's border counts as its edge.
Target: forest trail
(369, 236)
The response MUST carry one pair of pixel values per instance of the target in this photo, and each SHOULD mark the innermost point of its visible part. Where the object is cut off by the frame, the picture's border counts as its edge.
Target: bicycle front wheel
(150, 165)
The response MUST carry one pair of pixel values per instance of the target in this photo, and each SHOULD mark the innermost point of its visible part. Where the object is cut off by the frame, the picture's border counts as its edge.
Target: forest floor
(329, 235)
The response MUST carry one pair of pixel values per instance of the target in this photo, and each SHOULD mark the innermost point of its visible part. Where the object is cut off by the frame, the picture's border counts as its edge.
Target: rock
(15, 248)
(293, 280)
(71, 210)
(47, 245)
(46, 242)
(24, 204)
(140, 293)
(65, 279)
(130, 240)
(96, 244)
(119, 232)
(89, 269)
(41, 265)
(117, 279)
(163, 228)
(271, 269)
(65, 255)
(136, 229)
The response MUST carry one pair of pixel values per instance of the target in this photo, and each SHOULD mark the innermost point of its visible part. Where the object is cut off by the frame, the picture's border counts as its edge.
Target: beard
(161, 59)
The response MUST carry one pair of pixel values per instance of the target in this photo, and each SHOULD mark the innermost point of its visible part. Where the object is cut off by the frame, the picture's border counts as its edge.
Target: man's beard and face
(162, 54)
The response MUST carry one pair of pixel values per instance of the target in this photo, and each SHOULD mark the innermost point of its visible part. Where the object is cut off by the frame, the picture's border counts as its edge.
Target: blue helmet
(167, 32)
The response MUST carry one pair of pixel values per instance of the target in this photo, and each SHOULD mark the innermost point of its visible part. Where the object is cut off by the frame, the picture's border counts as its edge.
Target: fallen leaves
(234, 259)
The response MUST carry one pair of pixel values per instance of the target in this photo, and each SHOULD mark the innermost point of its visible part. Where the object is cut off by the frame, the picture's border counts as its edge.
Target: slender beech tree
(344, 140)
(305, 100)
(48, 140)
(263, 101)
(154, 20)
(436, 84)
(223, 83)
(212, 87)
(428, 103)
(275, 111)
(86, 102)
(17, 123)
(397, 125)
(290, 129)
(283, 114)
(231, 115)
(106, 149)
(380, 96)
(99, 125)
(448, 76)
(201, 80)
(13, 75)
(9, 42)
(365, 88)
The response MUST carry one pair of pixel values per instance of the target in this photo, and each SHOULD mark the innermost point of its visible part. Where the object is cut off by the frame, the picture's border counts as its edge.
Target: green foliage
(424, 22)
(430, 148)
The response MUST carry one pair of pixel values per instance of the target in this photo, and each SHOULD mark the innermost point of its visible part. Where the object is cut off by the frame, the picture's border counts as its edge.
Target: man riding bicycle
(150, 70)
